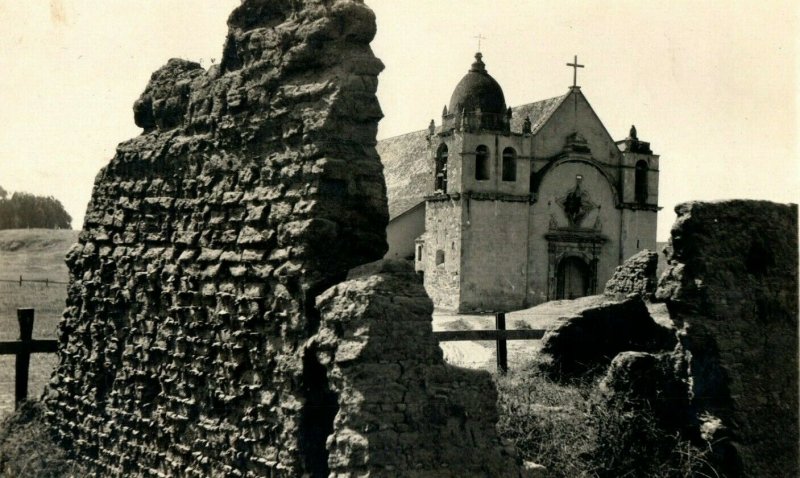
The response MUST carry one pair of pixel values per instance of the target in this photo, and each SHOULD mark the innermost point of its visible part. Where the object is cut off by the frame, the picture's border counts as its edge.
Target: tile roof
(539, 112)
(409, 170)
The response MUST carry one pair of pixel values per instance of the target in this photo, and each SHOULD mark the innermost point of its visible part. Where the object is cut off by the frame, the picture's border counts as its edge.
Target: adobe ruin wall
(191, 342)
(731, 289)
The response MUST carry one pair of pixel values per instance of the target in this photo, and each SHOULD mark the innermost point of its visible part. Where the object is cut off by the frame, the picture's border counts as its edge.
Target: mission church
(504, 208)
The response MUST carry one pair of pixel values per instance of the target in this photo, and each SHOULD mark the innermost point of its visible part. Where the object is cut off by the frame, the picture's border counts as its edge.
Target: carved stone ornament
(576, 204)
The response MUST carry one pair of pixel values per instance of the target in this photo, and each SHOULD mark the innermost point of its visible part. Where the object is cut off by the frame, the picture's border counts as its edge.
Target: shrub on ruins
(575, 430)
(546, 420)
(27, 448)
(23, 210)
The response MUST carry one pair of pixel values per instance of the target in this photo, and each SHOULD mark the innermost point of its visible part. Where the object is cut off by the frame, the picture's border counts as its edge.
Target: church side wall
(495, 249)
(638, 232)
(547, 216)
(401, 233)
(443, 239)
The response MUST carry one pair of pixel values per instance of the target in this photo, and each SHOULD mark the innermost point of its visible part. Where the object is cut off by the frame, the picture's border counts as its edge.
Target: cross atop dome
(479, 38)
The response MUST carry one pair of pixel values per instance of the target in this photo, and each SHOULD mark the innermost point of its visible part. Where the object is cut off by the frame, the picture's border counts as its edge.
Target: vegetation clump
(575, 431)
(27, 448)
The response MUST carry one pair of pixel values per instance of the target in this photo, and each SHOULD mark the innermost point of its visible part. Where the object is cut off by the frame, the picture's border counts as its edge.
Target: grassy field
(32, 254)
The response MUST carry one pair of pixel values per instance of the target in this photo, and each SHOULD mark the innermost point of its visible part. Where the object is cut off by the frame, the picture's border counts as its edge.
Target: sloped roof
(539, 112)
(409, 171)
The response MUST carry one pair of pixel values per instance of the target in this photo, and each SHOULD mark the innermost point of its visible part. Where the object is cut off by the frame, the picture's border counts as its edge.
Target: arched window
(482, 163)
(441, 170)
(509, 164)
(640, 188)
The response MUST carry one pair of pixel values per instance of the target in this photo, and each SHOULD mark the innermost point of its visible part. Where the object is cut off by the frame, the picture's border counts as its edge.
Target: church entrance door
(572, 279)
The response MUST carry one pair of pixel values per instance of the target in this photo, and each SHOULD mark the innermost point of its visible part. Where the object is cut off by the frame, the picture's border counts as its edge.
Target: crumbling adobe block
(637, 276)
(731, 289)
(402, 411)
(588, 341)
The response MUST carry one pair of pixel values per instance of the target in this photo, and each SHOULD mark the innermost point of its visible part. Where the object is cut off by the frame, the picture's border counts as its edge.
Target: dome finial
(478, 66)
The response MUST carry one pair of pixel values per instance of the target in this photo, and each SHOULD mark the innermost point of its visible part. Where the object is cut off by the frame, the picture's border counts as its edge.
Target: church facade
(504, 208)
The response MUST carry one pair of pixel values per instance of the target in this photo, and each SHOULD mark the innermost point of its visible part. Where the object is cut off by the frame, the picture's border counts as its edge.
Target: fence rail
(23, 348)
(26, 345)
(500, 335)
(46, 282)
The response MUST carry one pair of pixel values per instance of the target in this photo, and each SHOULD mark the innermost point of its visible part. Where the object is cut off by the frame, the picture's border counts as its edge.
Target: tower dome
(478, 101)
(477, 89)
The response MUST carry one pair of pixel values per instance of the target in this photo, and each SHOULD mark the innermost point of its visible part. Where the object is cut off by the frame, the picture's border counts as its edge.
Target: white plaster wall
(496, 144)
(494, 274)
(629, 161)
(401, 233)
(575, 114)
(639, 232)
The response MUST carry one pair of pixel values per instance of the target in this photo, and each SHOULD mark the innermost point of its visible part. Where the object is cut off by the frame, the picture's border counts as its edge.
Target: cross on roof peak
(480, 37)
(575, 67)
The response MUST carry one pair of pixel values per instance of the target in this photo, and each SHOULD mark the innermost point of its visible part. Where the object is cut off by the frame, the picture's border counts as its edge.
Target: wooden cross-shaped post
(480, 37)
(23, 348)
(575, 67)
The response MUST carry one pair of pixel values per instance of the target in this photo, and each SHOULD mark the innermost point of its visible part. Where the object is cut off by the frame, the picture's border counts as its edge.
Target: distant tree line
(24, 210)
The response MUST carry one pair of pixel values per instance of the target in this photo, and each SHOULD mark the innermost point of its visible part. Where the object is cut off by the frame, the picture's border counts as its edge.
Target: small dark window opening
(419, 252)
(439, 257)
(441, 170)
(509, 164)
(641, 182)
(482, 163)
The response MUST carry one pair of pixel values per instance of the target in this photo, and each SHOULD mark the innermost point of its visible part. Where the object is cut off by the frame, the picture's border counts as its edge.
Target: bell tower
(476, 218)
(639, 203)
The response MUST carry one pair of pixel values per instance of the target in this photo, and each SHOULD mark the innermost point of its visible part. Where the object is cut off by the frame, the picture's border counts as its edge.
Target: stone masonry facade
(188, 343)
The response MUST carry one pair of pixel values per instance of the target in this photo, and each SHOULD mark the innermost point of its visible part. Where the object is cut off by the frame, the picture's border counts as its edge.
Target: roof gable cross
(575, 67)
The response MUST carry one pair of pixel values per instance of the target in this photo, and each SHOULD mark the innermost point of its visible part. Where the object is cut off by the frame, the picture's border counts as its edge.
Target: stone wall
(731, 290)
(443, 240)
(254, 187)
(186, 347)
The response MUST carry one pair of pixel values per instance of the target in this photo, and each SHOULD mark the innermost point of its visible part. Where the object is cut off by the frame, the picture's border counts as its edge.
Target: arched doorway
(572, 278)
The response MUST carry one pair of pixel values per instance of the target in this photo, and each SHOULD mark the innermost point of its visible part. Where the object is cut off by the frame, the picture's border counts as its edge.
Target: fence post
(502, 352)
(25, 318)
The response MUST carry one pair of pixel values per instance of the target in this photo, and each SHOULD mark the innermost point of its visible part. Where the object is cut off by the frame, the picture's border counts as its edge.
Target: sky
(712, 85)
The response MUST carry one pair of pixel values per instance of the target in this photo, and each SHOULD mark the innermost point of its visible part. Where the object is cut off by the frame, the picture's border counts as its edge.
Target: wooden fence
(500, 335)
(46, 282)
(23, 348)
(27, 345)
